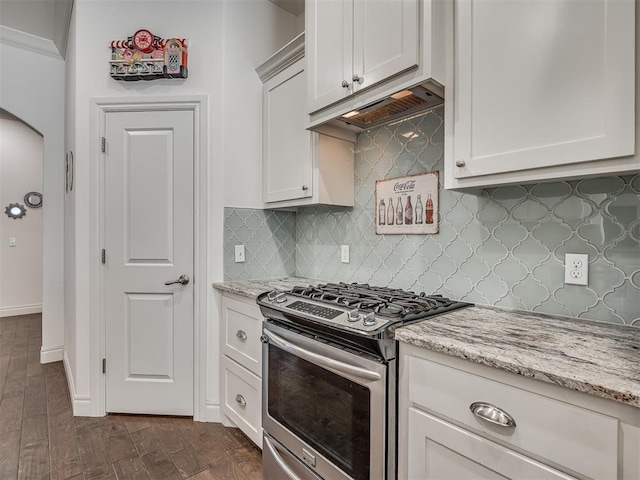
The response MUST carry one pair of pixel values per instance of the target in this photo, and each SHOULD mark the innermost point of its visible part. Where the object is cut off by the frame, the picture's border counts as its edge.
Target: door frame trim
(197, 104)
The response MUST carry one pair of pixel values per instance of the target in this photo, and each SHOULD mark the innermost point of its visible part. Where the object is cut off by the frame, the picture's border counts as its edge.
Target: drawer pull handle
(241, 401)
(242, 336)
(492, 414)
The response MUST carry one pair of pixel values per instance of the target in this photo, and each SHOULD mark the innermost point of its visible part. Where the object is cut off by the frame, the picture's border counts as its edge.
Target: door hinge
(104, 365)
(103, 144)
(103, 257)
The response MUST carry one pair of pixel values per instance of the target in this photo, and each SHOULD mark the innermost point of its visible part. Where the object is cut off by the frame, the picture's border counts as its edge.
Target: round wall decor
(33, 199)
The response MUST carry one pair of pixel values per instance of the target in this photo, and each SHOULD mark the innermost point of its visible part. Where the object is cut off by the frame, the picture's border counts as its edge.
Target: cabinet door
(541, 84)
(439, 450)
(329, 49)
(287, 161)
(385, 39)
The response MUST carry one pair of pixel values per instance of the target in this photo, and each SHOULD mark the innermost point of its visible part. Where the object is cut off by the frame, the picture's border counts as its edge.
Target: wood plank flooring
(41, 439)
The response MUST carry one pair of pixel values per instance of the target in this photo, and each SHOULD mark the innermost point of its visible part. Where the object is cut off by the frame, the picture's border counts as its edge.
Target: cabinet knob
(304, 188)
(241, 401)
(242, 336)
(358, 78)
(460, 163)
(345, 84)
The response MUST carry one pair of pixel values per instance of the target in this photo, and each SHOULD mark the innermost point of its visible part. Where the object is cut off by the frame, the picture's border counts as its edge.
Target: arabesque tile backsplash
(503, 246)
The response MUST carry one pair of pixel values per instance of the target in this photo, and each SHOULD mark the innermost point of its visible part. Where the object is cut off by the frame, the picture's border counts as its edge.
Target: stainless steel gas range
(330, 378)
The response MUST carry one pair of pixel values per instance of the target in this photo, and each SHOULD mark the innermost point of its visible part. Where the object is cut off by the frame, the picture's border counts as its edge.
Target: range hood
(404, 104)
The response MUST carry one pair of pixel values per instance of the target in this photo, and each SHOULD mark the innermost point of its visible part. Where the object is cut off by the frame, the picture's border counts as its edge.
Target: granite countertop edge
(253, 288)
(587, 356)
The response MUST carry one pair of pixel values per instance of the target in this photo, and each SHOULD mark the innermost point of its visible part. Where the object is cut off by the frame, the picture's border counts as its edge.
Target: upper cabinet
(541, 90)
(299, 167)
(354, 44)
(359, 51)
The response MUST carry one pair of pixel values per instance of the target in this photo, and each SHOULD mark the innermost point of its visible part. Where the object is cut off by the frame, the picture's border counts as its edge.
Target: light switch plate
(576, 268)
(12, 242)
(239, 257)
(344, 253)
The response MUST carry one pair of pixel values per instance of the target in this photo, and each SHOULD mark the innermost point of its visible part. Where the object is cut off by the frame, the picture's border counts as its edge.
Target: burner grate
(385, 302)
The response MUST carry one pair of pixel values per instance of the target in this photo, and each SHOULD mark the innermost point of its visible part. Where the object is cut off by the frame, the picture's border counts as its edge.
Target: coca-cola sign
(407, 205)
(407, 186)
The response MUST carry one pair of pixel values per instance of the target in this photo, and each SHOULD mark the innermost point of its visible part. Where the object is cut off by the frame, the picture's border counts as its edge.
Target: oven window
(329, 412)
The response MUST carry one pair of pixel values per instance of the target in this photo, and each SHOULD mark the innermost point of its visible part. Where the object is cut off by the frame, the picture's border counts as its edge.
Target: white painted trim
(81, 403)
(27, 41)
(20, 310)
(51, 354)
(212, 414)
(198, 104)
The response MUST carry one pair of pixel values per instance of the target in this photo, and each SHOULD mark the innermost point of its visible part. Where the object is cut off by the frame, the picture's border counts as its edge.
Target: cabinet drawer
(576, 438)
(242, 327)
(242, 401)
(441, 450)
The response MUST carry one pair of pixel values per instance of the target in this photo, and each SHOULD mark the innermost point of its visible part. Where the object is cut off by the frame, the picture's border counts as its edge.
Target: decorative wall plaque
(145, 56)
(407, 205)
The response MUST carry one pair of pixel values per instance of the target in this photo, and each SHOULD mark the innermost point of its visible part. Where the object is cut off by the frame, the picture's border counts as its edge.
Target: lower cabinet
(462, 420)
(438, 449)
(241, 366)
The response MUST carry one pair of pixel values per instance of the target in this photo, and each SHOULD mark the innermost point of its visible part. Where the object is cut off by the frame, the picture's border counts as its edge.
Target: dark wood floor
(41, 439)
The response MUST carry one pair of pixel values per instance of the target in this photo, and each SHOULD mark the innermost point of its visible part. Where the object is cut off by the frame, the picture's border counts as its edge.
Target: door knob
(182, 280)
(345, 84)
(460, 163)
(357, 78)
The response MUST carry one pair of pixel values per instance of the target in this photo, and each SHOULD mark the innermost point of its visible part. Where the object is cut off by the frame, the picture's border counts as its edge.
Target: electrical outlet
(344, 253)
(239, 257)
(576, 269)
(12, 242)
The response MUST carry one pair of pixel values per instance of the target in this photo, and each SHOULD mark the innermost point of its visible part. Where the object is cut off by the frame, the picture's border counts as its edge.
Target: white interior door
(149, 241)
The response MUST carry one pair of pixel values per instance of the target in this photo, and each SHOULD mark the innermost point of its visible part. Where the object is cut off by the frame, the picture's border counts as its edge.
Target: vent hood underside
(401, 105)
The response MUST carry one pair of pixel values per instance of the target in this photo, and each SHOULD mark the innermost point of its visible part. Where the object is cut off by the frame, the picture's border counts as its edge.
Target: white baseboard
(211, 414)
(81, 403)
(21, 310)
(51, 354)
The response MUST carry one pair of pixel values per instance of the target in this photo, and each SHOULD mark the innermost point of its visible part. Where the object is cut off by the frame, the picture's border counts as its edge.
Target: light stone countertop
(598, 358)
(253, 288)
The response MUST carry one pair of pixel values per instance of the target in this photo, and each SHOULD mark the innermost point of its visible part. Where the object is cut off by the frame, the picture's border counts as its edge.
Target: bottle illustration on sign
(419, 215)
(408, 212)
(381, 213)
(429, 210)
(399, 211)
(390, 212)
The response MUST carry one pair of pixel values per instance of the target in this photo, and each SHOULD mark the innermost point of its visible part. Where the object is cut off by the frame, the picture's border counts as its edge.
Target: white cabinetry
(558, 433)
(541, 90)
(299, 167)
(242, 364)
(354, 44)
(360, 51)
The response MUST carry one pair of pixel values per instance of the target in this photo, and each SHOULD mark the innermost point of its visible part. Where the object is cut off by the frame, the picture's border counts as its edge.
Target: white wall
(21, 156)
(227, 40)
(32, 89)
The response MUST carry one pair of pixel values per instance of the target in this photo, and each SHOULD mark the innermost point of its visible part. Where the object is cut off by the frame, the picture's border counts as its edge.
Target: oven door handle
(321, 360)
(280, 461)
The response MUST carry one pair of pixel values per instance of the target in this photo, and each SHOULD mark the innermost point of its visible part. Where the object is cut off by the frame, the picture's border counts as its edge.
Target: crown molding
(27, 41)
(287, 55)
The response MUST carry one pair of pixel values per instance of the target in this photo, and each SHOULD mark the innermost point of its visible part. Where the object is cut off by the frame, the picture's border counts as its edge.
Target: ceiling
(46, 19)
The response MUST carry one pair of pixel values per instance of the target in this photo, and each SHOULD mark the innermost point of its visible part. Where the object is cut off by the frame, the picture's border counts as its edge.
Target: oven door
(326, 405)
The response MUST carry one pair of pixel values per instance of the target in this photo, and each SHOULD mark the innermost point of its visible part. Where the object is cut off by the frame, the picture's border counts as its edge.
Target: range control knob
(281, 297)
(369, 319)
(353, 315)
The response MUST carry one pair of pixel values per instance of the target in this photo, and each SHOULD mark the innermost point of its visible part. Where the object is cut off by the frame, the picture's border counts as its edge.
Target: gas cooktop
(355, 307)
